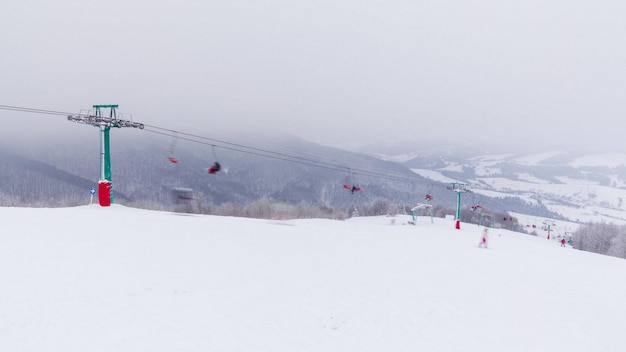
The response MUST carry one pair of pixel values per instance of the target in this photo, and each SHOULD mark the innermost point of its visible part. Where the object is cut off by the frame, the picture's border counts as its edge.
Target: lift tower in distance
(458, 188)
(105, 189)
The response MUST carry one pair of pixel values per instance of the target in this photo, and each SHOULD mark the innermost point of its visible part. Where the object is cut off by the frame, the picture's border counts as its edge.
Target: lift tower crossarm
(104, 124)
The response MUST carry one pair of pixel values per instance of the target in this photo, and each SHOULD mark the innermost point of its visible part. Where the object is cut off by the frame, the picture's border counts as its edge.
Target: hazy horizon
(527, 76)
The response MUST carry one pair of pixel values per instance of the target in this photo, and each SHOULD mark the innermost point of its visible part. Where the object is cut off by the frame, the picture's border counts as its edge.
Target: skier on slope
(484, 238)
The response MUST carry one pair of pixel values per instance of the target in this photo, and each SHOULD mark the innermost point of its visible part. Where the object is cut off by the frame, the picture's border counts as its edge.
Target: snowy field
(122, 279)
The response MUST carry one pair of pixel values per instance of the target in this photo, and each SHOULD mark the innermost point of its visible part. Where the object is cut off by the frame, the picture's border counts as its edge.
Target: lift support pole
(105, 189)
(458, 188)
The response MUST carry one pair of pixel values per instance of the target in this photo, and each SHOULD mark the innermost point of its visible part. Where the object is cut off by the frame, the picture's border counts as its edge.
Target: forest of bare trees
(255, 188)
(602, 238)
(267, 208)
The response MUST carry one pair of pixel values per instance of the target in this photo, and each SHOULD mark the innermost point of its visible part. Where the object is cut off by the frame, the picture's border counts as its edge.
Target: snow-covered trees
(601, 238)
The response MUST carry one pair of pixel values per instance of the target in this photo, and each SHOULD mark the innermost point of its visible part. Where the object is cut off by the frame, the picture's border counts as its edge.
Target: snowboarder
(563, 242)
(215, 168)
(484, 238)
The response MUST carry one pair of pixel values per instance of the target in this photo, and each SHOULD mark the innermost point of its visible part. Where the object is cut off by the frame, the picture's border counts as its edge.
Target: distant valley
(576, 187)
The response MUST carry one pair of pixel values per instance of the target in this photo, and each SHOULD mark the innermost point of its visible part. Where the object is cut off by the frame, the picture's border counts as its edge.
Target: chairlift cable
(237, 147)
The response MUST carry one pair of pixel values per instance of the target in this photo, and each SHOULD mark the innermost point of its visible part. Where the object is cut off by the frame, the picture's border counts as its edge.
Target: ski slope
(121, 279)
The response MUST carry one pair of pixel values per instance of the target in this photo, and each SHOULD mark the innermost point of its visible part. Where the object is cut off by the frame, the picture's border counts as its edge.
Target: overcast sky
(514, 73)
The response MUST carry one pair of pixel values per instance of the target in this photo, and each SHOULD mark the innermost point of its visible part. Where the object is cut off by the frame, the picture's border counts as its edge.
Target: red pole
(104, 193)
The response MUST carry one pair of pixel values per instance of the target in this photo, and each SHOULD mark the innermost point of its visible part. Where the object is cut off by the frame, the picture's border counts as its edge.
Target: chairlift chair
(171, 151)
(351, 185)
(216, 167)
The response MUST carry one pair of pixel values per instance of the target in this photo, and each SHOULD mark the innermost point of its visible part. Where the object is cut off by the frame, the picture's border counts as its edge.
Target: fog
(530, 74)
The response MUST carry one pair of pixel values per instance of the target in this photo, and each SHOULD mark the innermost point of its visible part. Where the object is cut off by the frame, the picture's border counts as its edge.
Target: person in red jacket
(352, 188)
(215, 168)
(484, 239)
(563, 242)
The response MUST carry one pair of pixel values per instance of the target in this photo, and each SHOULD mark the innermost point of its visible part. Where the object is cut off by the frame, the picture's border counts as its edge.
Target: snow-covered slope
(122, 279)
(578, 187)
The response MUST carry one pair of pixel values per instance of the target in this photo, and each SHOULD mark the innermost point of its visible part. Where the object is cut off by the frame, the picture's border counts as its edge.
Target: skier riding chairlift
(216, 165)
(429, 195)
(215, 168)
(352, 188)
(351, 184)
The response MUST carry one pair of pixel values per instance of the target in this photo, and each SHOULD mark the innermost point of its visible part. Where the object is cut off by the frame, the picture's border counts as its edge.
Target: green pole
(107, 158)
(105, 166)
(458, 205)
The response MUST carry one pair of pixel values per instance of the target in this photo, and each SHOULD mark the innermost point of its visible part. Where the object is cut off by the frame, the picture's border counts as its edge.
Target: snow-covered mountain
(573, 186)
(578, 186)
(280, 167)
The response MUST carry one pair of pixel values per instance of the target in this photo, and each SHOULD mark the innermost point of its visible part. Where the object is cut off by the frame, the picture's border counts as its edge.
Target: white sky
(524, 73)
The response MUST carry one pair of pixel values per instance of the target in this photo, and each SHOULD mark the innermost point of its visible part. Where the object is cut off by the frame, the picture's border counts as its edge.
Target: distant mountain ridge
(578, 186)
(282, 168)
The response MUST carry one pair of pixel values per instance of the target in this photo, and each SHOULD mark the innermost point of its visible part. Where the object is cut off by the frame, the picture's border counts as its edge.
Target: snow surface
(492, 157)
(487, 169)
(434, 175)
(604, 160)
(399, 158)
(121, 279)
(531, 178)
(536, 159)
(453, 167)
(599, 202)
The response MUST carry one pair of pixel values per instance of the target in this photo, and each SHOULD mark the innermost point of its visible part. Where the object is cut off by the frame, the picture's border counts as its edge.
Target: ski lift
(485, 217)
(182, 198)
(476, 207)
(216, 167)
(351, 186)
(429, 195)
(181, 194)
(171, 156)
